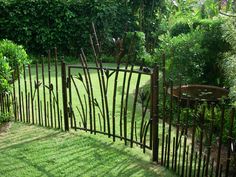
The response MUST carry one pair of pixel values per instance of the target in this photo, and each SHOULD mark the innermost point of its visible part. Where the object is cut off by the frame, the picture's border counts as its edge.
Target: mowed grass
(27, 150)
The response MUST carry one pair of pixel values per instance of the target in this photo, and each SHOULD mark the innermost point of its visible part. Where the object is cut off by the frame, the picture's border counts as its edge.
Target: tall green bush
(195, 50)
(229, 62)
(12, 57)
(43, 24)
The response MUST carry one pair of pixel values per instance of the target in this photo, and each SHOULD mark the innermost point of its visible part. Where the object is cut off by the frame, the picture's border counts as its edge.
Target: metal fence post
(64, 95)
(155, 92)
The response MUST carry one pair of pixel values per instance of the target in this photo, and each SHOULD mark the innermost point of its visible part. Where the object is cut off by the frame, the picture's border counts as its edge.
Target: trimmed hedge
(43, 24)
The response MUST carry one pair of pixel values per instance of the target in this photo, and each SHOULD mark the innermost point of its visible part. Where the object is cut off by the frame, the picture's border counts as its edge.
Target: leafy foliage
(229, 63)
(44, 24)
(12, 56)
(194, 50)
(5, 117)
(135, 47)
(4, 73)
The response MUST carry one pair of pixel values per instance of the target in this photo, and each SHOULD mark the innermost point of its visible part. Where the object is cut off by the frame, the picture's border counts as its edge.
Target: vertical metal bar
(70, 96)
(64, 94)
(193, 142)
(126, 103)
(38, 94)
(185, 138)
(220, 140)
(49, 85)
(19, 92)
(114, 101)
(221, 168)
(14, 97)
(31, 94)
(44, 95)
(84, 112)
(166, 149)
(187, 157)
(170, 122)
(57, 92)
(54, 111)
(173, 154)
(84, 60)
(122, 100)
(26, 92)
(28, 108)
(210, 140)
(99, 72)
(178, 124)
(23, 106)
(164, 111)
(202, 117)
(195, 164)
(230, 138)
(145, 134)
(134, 106)
(212, 168)
(204, 166)
(155, 92)
(89, 95)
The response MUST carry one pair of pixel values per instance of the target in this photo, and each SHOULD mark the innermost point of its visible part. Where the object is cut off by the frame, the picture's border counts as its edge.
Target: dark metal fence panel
(195, 139)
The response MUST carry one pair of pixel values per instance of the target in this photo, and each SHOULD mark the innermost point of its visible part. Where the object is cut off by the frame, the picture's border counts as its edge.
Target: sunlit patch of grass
(34, 151)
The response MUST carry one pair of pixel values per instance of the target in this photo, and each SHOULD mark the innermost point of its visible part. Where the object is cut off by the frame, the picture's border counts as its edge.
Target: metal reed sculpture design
(86, 98)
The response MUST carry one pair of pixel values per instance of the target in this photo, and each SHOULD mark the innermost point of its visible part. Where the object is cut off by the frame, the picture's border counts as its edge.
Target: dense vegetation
(12, 59)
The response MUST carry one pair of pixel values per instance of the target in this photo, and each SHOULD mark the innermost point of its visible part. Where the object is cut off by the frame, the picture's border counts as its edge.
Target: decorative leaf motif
(79, 77)
(95, 102)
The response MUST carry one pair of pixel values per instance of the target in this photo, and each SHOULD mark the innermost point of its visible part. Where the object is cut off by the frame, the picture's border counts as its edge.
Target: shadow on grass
(33, 151)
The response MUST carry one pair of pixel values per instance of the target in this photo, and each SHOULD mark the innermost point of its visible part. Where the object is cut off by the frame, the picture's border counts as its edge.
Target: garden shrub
(180, 28)
(134, 46)
(229, 62)
(4, 117)
(4, 74)
(184, 55)
(196, 55)
(43, 24)
(12, 56)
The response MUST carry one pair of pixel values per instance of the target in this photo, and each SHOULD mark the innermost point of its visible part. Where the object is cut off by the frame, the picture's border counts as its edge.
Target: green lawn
(27, 150)
(97, 95)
